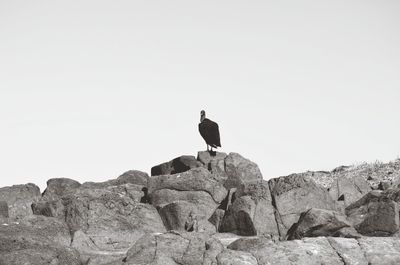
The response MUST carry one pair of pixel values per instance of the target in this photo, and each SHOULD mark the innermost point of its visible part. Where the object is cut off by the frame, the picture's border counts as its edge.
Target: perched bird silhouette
(209, 131)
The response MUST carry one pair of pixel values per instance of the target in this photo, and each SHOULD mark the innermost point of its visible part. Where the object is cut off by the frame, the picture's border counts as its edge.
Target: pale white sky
(90, 89)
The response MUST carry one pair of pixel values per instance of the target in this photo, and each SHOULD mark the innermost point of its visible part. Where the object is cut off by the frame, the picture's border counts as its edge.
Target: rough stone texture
(90, 254)
(381, 251)
(308, 251)
(51, 204)
(187, 200)
(294, 194)
(252, 212)
(173, 248)
(36, 240)
(112, 217)
(319, 222)
(3, 209)
(58, 187)
(349, 190)
(197, 179)
(177, 165)
(349, 250)
(240, 170)
(215, 164)
(216, 218)
(130, 177)
(230, 257)
(375, 214)
(19, 199)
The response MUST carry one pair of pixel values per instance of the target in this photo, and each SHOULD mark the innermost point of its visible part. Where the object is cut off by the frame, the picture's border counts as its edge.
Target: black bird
(209, 131)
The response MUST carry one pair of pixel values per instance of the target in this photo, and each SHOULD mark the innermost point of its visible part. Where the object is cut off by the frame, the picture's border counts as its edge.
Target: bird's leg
(207, 148)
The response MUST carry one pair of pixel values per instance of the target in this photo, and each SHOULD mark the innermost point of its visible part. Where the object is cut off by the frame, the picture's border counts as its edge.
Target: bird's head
(202, 115)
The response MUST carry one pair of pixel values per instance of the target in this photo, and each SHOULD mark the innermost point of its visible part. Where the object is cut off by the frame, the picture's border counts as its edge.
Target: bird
(209, 131)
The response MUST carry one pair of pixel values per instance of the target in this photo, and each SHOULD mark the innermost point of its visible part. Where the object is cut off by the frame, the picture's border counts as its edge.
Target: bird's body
(209, 131)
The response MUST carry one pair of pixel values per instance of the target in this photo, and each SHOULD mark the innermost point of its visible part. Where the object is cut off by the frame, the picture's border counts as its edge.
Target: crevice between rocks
(337, 253)
(277, 215)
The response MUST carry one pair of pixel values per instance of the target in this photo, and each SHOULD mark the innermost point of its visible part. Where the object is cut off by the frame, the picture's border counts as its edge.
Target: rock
(308, 251)
(349, 250)
(111, 217)
(197, 179)
(319, 222)
(294, 194)
(130, 177)
(186, 198)
(184, 216)
(36, 240)
(177, 165)
(52, 208)
(252, 212)
(90, 254)
(3, 209)
(381, 250)
(230, 257)
(19, 199)
(58, 187)
(215, 164)
(173, 248)
(349, 190)
(375, 214)
(240, 170)
(216, 218)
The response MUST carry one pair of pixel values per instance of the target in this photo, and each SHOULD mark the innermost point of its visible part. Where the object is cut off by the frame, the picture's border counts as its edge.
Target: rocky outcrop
(295, 194)
(213, 210)
(376, 214)
(252, 213)
(187, 200)
(319, 222)
(36, 240)
(177, 165)
(19, 199)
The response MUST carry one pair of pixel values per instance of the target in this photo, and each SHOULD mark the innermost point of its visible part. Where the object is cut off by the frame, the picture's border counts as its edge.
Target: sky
(90, 89)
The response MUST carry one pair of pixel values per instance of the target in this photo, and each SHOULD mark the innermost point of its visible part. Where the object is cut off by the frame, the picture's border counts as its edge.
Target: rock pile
(209, 210)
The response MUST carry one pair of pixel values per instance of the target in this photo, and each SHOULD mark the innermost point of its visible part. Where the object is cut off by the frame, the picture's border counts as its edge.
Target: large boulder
(214, 163)
(240, 170)
(36, 240)
(320, 222)
(177, 165)
(252, 212)
(231, 257)
(349, 251)
(295, 194)
(174, 249)
(187, 200)
(112, 217)
(51, 204)
(19, 199)
(375, 214)
(308, 251)
(381, 250)
(349, 190)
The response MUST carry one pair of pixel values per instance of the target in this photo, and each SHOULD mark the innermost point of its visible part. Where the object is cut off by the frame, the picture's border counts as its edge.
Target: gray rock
(216, 218)
(215, 164)
(294, 194)
(252, 213)
(173, 248)
(19, 199)
(349, 250)
(3, 209)
(349, 190)
(375, 214)
(59, 187)
(230, 257)
(319, 222)
(130, 177)
(197, 179)
(111, 217)
(177, 165)
(308, 251)
(240, 170)
(381, 250)
(36, 240)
